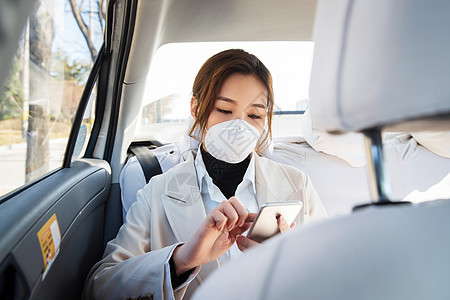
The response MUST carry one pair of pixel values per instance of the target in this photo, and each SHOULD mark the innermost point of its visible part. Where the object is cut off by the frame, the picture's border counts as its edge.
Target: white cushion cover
(348, 146)
(438, 142)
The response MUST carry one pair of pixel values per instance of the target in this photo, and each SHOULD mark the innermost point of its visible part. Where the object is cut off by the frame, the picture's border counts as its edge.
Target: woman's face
(240, 97)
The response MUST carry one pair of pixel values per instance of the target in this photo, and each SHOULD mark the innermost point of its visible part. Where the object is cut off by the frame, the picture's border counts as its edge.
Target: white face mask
(231, 141)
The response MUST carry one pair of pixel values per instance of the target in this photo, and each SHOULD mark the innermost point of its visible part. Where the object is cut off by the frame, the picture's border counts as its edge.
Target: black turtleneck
(225, 176)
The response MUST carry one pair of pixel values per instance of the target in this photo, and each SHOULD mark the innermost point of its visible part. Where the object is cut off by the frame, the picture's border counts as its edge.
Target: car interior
(339, 112)
(386, 249)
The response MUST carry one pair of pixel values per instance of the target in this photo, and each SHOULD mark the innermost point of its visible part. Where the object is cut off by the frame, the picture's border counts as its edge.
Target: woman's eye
(254, 116)
(224, 111)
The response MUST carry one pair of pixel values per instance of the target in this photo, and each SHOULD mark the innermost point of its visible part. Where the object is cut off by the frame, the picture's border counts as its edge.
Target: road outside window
(39, 99)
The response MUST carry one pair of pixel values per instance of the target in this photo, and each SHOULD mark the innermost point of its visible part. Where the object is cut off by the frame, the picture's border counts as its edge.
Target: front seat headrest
(381, 62)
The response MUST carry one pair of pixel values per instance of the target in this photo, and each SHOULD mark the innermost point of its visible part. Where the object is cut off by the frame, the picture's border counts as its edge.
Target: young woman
(191, 219)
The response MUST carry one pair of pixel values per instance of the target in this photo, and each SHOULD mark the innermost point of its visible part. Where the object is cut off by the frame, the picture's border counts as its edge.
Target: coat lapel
(184, 206)
(182, 200)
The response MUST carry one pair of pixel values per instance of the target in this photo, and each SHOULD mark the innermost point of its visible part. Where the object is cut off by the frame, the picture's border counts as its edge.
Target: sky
(68, 36)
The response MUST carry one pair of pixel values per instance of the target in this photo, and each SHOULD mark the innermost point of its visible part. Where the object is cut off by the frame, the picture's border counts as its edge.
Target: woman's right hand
(215, 235)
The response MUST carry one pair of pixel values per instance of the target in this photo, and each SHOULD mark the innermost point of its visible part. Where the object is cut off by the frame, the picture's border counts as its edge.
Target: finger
(293, 225)
(245, 243)
(240, 230)
(230, 213)
(251, 217)
(282, 224)
(240, 209)
(219, 219)
(247, 224)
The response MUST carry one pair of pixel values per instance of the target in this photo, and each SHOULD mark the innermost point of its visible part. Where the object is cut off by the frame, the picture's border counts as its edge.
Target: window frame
(78, 119)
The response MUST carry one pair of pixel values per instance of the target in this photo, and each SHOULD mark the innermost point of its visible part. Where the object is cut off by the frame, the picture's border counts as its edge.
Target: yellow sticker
(49, 238)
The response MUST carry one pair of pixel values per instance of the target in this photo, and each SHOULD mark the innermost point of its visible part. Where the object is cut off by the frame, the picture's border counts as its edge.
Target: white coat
(168, 211)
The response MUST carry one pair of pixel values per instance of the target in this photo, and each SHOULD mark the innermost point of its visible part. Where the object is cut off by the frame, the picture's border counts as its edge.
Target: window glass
(84, 132)
(40, 98)
(174, 67)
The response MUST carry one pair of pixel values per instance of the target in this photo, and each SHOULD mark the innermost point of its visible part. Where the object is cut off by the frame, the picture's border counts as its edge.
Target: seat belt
(148, 161)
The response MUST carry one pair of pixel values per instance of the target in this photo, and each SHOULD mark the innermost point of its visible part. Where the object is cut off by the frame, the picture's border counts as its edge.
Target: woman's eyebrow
(226, 99)
(258, 105)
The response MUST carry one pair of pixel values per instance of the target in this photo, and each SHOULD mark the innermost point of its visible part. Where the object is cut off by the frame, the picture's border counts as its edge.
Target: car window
(40, 97)
(165, 109)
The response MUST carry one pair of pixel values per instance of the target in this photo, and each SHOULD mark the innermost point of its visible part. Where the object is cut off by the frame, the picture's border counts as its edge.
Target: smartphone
(265, 224)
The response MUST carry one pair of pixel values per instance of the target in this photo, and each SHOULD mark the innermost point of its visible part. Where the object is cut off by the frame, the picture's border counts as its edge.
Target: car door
(52, 219)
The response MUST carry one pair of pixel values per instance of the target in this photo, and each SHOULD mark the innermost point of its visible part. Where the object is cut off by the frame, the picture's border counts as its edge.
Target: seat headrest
(381, 62)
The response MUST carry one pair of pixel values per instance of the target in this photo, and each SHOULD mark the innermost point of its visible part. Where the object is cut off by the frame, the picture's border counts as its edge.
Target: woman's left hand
(283, 226)
(245, 243)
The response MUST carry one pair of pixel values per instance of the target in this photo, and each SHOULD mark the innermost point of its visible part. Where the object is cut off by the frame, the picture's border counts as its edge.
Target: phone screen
(265, 224)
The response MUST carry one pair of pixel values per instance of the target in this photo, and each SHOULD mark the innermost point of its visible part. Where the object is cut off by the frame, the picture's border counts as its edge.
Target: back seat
(340, 183)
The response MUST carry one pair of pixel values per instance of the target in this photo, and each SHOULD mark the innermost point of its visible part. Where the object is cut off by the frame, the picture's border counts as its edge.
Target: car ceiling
(162, 22)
